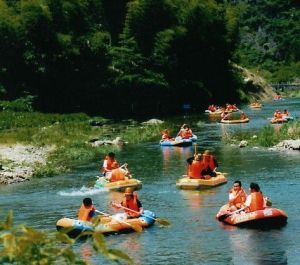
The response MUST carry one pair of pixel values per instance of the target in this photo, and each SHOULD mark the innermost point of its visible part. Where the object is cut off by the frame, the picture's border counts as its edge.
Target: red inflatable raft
(268, 218)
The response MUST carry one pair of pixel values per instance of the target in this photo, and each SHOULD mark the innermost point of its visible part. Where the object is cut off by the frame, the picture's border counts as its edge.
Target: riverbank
(35, 144)
(285, 137)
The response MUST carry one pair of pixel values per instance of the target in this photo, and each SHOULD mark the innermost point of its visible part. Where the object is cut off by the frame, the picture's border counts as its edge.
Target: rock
(243, 143)
(152, 122)
(289, 145)
(117, 141)
(254, 136)
(22, 161)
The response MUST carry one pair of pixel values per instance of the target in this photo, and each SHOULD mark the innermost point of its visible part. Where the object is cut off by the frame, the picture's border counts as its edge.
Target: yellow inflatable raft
(119, 185)
(235, 121)
(255, 105)
(187, 183)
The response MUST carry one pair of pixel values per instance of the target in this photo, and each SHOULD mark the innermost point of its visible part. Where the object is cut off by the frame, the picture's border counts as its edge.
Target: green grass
(69, 134)
(267, 136)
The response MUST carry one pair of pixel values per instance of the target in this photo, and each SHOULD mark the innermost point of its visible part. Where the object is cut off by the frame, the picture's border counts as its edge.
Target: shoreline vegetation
(36, 144)
(285, 137)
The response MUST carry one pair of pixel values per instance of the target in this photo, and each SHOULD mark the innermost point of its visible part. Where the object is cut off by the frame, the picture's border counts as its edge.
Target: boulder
(289, 145)
(243, 143)
(152, 122)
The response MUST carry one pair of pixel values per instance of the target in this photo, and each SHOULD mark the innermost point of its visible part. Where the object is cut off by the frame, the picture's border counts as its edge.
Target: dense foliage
(119, 57)
(270, 37)
(142, 57)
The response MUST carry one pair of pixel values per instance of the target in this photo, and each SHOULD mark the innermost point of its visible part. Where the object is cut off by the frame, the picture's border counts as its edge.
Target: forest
(140, 58)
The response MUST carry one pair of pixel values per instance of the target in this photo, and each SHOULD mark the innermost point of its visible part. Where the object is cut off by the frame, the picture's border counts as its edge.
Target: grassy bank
(267, 136)
(69, 135)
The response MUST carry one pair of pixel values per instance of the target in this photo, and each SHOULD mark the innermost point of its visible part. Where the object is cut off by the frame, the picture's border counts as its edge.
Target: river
(194, 237)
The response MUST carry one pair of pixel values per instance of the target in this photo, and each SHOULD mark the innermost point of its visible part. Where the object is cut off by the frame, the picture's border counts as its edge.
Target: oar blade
(163, 222)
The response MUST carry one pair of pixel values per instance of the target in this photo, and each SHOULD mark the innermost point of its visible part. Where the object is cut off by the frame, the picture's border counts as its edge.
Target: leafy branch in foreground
(24, 245)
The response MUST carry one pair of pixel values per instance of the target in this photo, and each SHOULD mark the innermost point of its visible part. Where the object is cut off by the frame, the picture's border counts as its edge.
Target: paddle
(195, 148)
(224, 216)
(135, 227)
(159, 220)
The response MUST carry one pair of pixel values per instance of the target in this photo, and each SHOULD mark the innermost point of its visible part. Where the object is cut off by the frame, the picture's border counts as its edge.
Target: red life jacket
(257, 201)
(166, 136)
(131, 204)
(83, 212)
(186, 134)
(109, 165)
(208, 161)
(195, 169)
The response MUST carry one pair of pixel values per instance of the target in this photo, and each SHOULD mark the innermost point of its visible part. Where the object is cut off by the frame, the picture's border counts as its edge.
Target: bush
(20, 104)
(24, 245)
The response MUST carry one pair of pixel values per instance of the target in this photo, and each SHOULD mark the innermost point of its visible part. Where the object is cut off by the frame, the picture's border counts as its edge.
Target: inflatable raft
(235, 121)
(274, 121)
(214, 113)
(268, 218)
(107, 225)
(179, 141)
(255, 105)
(187, 183)
(119, 185)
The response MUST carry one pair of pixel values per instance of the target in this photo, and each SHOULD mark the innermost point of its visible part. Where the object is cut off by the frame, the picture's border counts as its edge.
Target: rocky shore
(19, 162)
(287, 145)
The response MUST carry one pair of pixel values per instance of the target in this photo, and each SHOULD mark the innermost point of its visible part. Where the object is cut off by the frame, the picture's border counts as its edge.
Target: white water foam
(82, 192)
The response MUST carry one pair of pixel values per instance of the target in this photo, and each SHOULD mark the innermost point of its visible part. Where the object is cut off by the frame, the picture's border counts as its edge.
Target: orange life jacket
(257, 201)
(278, 115)
(186, 134)
(131, 204)
(166, 136)
(110, 163)
(117, 174)
(83, 212)
(239, 200)
(209, 162)
(195, 169)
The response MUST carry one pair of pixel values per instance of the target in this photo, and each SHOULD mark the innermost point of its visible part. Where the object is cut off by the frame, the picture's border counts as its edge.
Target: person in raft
(87, 210)
(243, 116)
(166, 136)
(195, 166)
(210, 165)
(255, 201)
(285, 114)
(120, 173)
(185, 132)
(109, 164)
(237, 196)
(131, 202)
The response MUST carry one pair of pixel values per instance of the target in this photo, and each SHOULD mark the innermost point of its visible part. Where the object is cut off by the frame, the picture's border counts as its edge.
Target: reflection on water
(194, 236)
(250, 247)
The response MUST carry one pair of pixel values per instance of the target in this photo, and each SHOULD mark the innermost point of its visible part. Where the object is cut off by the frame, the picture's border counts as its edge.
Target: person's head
(165, 131)
(285, 111)
(185, 126)
(237, 185)
(198, 157)
(111, 155)
(206, 155)
(128, 193)
(87, 202)
(254, 187)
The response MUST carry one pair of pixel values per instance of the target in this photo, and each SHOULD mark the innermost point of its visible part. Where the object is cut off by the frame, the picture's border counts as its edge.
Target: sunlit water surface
(194, 237)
